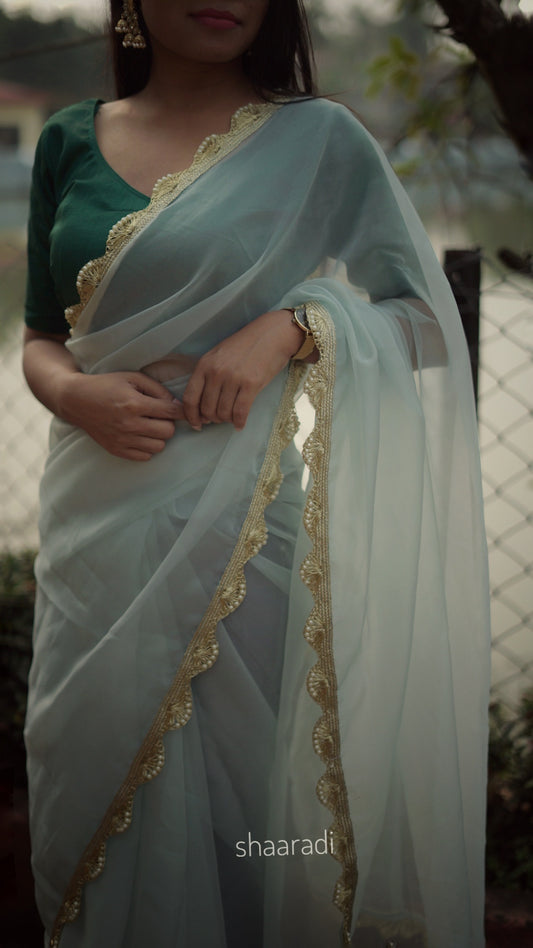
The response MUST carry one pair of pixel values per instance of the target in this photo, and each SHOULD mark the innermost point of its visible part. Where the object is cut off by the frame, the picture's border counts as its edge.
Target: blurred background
(447, 88)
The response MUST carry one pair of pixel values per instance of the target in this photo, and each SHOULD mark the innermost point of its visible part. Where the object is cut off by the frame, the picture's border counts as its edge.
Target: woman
(257, 715)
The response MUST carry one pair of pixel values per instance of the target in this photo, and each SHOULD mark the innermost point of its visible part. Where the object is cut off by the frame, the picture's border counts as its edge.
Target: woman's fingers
(149, 386)
(209, 400)
(157, 401)
(130, 444)
(191, 399)
(242, 406)
(218, 405)
(139, 449)
(156, 428)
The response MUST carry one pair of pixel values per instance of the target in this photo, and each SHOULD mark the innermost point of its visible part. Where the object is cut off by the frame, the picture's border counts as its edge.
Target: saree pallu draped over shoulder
(258, 712)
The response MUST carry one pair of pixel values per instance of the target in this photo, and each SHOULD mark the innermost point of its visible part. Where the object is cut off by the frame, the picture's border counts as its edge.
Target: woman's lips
(216, 19)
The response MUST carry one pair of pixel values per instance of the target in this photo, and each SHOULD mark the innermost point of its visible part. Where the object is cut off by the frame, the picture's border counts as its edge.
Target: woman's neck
(189, 86)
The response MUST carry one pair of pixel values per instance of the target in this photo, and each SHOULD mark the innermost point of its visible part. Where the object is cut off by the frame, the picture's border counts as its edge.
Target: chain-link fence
(23, 421)
(506, 436)
(505, 403)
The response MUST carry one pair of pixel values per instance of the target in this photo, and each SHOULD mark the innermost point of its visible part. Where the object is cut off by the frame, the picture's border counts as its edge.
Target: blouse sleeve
(43, 311)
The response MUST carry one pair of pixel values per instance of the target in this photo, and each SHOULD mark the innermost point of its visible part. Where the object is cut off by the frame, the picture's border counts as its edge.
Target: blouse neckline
(97, 152)
(244, 121)
(239, 117)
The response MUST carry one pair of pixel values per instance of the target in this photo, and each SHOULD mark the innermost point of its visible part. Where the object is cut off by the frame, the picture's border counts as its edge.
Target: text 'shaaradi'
(285, 847)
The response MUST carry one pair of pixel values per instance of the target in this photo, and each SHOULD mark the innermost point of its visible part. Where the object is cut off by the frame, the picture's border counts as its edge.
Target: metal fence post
(463, 269)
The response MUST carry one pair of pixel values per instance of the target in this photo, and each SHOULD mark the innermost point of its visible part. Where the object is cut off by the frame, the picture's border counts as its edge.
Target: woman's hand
(129, 414)
(228, 377)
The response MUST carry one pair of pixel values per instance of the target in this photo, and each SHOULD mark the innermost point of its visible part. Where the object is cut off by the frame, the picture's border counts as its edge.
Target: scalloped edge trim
(201, 653)
(244, 121)
(315, 573)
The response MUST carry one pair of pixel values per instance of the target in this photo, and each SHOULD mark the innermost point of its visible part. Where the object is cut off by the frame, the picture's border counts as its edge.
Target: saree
(257, 706)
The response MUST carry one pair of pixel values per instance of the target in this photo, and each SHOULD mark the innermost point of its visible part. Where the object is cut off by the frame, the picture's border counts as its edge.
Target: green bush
(17, 596)
(510, 797)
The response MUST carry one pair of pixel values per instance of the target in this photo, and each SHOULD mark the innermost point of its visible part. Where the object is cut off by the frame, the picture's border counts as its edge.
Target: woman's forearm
(48, 367)
(430, 334)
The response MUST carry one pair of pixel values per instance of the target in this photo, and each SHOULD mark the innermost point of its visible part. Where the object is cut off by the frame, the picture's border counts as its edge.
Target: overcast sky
(94, 9)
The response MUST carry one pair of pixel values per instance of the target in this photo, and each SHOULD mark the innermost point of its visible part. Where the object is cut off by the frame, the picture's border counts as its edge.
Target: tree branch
(503, 47)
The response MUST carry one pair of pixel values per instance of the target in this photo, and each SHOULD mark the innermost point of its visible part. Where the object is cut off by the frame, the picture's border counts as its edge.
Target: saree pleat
(257, 712)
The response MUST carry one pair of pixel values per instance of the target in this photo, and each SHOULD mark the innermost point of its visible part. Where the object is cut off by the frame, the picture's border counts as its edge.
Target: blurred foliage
(510, 786)
(399, 67)
(474, 77)
(348, 48)
(440, 123)
(68, 73)
(510, 798)
(402, 75)
(443, 93)
(17, 596)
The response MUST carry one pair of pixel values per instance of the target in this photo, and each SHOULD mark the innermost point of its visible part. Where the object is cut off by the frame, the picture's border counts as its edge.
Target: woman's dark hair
(280, 61)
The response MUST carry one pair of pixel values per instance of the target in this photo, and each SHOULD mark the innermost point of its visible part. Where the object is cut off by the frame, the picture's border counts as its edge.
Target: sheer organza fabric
(304, 208)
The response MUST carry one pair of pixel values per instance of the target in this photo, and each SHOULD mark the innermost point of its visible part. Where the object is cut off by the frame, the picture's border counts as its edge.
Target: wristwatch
(299, 318)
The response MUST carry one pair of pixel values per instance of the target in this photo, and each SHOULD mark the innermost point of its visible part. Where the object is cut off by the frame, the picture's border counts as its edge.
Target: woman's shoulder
(327, 117)
(65, 143)
(332, 129)
(68, 124)
(76, 112)
(324, 108)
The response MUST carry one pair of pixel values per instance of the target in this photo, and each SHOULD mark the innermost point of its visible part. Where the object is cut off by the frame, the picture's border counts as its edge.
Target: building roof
(12, 93)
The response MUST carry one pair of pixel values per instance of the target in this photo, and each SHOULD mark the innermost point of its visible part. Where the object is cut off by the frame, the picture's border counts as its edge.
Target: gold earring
(129, 26)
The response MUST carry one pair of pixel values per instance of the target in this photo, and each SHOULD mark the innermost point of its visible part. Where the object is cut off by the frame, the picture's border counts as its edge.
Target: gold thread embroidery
(243, 122)
(201, 654)
(315, 573)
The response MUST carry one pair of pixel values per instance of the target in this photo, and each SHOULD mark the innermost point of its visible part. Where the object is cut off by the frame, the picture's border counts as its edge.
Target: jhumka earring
(129, 26)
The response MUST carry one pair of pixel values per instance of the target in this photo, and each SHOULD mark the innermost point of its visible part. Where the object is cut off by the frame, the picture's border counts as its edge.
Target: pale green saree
(257, 714)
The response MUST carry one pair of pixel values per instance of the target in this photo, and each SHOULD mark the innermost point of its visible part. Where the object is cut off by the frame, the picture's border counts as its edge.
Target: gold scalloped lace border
(244, 121)
(315, 572)
(201, 654)
(202, 651)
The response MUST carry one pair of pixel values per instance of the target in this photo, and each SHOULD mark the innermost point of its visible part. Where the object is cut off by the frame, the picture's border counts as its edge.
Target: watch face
(300, 316)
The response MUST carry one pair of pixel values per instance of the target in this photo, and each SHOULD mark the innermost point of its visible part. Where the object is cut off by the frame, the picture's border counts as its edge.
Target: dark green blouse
(76, 197)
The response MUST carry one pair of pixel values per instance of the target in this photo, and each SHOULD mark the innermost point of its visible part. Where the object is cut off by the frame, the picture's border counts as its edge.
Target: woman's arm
(433, 342)
(129, 414)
